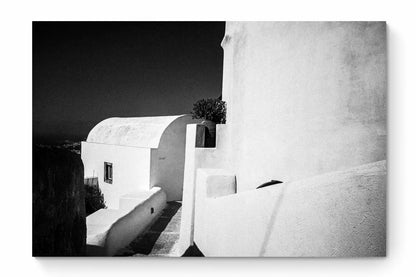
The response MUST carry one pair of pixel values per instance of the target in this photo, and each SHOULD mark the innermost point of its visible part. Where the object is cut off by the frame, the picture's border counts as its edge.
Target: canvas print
(209, 139)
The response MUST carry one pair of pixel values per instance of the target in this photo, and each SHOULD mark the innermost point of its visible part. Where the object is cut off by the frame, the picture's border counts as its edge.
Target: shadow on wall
(59, 227)
(274, 213)
(193, 251)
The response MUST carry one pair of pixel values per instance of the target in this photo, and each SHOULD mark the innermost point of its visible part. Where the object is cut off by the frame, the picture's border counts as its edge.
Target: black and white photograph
(211, 139)
(187, 138)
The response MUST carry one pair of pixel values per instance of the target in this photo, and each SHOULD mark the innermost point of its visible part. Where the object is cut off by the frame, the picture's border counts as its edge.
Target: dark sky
(86, 72)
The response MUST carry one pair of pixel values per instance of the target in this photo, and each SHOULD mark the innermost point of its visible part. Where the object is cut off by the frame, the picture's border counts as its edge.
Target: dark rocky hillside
(59, 227)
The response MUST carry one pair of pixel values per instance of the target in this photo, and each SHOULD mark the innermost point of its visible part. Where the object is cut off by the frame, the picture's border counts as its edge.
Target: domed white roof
(132, 131)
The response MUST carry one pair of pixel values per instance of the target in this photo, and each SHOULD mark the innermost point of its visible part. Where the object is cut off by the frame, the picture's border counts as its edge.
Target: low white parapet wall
(339, 214)
(109, 230)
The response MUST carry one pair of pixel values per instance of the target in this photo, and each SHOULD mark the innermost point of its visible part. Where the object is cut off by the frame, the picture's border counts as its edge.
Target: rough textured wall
(338, 214)
(58, 203)
(304, 98)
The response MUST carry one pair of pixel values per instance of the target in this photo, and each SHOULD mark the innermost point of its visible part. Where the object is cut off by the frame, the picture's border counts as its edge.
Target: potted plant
(212, 111)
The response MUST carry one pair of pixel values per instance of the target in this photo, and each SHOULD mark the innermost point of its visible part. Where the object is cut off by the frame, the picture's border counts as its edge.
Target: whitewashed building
(306, 105)
(135, 154)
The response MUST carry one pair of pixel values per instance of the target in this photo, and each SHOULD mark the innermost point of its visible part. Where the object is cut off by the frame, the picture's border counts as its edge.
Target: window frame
(108, 172)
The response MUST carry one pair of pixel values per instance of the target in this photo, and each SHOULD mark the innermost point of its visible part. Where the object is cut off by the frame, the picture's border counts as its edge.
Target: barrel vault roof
(131, 131)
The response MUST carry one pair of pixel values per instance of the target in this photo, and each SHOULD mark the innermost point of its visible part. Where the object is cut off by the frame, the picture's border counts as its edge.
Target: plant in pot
(212, 111)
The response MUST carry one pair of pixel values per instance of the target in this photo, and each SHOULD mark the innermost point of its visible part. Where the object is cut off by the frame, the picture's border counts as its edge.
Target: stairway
(162, 238)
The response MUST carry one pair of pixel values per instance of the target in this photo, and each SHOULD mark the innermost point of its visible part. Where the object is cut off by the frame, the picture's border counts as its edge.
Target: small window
(108, 172)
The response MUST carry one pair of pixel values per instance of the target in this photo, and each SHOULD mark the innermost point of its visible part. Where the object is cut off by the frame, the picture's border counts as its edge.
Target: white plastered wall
(131, 169)
(199, 157)
(167, 161)
(304, 98)
(339, 214)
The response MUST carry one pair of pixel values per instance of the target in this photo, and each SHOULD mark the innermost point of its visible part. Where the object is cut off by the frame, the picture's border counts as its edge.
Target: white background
(16, 132)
